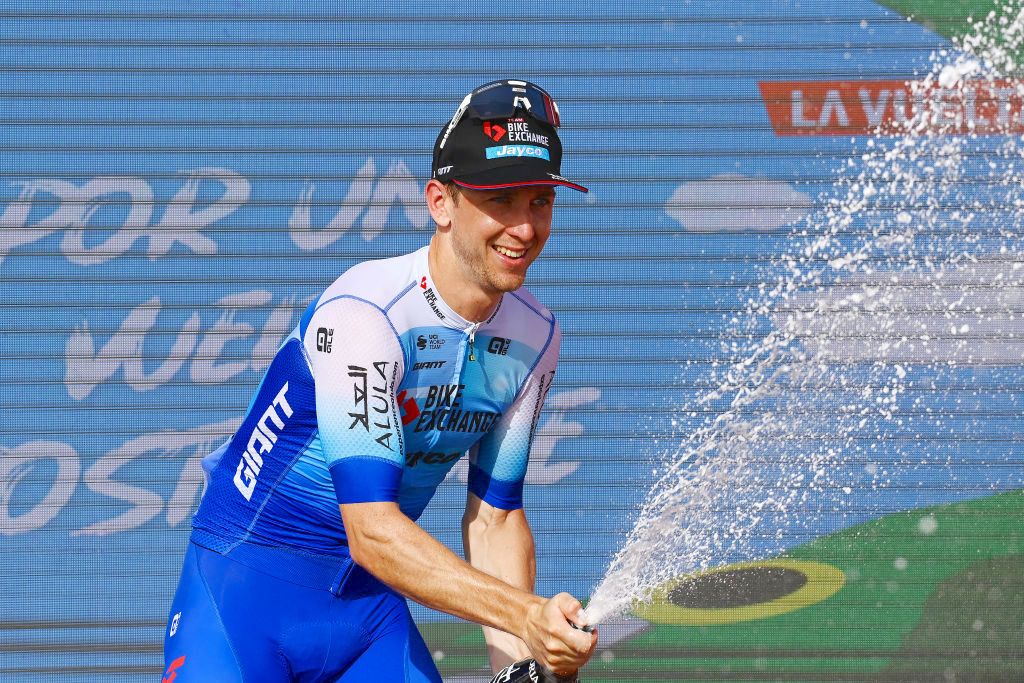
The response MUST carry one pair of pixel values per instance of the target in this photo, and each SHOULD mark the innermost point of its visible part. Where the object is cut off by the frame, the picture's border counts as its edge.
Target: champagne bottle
(531, 671)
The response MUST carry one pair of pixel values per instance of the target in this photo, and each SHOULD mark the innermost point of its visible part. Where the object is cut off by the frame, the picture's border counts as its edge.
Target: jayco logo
(517, 151)
(261, 441)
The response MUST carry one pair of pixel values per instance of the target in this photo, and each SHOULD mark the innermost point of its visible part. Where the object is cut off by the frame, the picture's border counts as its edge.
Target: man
(401, 367)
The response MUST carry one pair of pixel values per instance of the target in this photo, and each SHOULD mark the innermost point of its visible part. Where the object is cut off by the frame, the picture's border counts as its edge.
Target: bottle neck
(530, 671)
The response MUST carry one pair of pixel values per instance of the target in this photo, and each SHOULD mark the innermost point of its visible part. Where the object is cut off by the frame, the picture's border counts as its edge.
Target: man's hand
(552, 641)
(393, 548)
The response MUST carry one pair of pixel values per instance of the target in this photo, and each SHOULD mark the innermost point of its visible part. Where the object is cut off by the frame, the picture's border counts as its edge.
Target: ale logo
(324, 339)
(498, 346)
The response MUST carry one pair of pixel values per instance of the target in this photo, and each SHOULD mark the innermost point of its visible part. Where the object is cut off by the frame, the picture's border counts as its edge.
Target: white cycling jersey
(374, 396)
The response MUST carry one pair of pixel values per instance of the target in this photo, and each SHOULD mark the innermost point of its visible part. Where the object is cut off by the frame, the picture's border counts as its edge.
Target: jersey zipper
(472, 337)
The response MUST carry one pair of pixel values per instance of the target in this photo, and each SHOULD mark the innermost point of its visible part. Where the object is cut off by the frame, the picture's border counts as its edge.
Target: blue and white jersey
(373, 397)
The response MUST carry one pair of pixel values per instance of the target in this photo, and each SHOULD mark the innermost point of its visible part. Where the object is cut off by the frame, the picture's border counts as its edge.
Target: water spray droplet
(836, 378)
(927, 525)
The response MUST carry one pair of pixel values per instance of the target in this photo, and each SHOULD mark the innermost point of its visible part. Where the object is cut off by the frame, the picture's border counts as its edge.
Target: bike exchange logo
(431, 297)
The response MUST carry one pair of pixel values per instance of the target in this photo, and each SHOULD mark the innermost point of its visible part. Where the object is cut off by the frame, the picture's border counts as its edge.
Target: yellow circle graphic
(821, 581)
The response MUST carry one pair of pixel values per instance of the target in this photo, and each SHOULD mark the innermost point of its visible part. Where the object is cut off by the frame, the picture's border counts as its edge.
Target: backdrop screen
(179, 180)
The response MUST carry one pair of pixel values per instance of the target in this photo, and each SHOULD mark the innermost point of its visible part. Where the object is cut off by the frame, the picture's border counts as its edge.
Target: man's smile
(511, 253)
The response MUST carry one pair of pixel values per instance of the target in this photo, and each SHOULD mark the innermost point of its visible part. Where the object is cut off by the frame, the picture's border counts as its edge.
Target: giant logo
(261, 441)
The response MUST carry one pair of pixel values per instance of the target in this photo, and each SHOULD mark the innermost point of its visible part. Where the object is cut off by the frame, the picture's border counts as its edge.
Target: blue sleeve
(357, 361)
(497, 464)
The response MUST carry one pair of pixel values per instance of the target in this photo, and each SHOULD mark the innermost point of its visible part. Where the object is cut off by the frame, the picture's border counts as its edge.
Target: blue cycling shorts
(271, 615)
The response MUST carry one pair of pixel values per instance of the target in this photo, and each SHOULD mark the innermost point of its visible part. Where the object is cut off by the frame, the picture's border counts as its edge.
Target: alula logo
(517, 151)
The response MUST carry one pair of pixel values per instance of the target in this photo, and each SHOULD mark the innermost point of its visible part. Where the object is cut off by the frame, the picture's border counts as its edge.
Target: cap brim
(524, 183)
(513, 176)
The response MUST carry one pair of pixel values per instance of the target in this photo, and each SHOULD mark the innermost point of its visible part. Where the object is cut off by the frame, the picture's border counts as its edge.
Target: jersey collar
(445, 314)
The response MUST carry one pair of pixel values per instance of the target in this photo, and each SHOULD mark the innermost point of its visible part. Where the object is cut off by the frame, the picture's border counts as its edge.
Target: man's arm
(496, 534)
(393, 548)
(500, 543)
(359, 425)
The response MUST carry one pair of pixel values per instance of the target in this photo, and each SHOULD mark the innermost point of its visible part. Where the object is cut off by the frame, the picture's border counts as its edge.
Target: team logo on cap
(517, 151)
(494, 131)
(519, 131)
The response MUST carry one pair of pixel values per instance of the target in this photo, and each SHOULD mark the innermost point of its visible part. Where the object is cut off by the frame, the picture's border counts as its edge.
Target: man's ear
(437, 203)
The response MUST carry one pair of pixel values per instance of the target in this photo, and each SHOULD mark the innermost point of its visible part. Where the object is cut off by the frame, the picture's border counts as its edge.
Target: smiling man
(305, 544)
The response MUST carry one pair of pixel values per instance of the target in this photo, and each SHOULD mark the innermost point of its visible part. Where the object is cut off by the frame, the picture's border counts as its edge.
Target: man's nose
(523, 230)
(522, 226)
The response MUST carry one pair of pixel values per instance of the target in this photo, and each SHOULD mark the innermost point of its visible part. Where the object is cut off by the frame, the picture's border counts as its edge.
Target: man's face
(497, 234)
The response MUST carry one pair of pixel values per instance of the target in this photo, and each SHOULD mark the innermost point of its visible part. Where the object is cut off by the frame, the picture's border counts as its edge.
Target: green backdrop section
(935, 594)
(947, 17)
(972, 626)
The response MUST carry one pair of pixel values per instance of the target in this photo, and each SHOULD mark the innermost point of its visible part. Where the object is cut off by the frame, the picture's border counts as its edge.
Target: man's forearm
(500, 543)
(399, 553)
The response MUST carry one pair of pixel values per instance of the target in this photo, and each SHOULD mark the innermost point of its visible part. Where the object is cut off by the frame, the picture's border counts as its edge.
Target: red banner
(893, 107)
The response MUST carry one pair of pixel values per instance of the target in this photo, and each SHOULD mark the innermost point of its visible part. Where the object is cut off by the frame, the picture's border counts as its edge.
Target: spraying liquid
(897, 306)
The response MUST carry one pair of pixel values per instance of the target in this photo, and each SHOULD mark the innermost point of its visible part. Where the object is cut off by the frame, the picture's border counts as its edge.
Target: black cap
(512, 151)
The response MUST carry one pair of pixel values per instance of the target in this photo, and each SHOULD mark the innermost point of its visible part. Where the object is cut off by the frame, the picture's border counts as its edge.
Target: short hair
(454, 191)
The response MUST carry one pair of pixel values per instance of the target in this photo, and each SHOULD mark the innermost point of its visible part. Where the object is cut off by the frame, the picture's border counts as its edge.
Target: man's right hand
(552, 641)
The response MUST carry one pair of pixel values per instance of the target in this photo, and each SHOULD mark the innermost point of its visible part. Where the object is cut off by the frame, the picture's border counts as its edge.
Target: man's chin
(508, 283)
